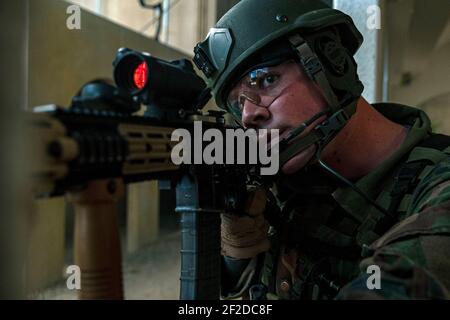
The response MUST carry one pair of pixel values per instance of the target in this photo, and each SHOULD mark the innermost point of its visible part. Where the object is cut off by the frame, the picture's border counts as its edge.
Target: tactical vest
(317, 246)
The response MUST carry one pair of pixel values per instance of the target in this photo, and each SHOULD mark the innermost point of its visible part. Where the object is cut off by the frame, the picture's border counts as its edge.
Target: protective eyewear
(262, 86)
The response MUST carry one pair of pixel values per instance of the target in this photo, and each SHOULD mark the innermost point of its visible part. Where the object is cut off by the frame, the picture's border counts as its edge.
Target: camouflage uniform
(328, 235)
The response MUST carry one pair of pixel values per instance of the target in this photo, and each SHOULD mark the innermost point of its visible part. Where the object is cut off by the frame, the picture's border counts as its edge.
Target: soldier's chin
(299, 161)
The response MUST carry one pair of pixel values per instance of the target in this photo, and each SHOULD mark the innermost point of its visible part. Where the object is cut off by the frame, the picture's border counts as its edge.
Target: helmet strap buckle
(314, 68)
(333, 124)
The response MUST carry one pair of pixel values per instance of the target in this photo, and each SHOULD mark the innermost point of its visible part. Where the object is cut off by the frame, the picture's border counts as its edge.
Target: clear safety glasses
(262, 86)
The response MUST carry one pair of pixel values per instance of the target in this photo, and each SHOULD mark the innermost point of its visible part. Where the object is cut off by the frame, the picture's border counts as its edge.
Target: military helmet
(255, 26)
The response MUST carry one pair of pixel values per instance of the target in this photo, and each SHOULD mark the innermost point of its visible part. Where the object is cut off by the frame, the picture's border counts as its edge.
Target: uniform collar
(420, 128)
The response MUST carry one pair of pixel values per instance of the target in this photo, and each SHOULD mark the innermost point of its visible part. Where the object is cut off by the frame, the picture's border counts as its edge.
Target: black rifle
(99, 139)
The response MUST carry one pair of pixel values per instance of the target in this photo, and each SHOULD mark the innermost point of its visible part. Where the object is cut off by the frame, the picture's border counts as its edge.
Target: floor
(151, 273)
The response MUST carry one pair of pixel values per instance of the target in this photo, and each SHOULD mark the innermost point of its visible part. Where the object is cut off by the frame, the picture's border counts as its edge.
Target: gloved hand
(245, 236)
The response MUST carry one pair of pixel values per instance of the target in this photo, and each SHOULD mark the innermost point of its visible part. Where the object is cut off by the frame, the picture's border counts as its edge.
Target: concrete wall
(61, 60)
(370, 56)
(406, 60)
(418, 56)
(188, 21)
(13, 162)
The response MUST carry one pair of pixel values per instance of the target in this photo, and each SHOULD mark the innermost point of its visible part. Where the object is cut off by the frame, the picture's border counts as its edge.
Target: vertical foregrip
(200, 255)
(97, 244)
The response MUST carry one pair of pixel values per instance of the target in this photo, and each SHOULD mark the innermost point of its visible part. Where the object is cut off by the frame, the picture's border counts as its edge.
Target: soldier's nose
(254, 116)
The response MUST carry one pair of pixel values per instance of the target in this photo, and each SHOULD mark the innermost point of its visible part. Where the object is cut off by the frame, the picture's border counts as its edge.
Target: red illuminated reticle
(141, 75)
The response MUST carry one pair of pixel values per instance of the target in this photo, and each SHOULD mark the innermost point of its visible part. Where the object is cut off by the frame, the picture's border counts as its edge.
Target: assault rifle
(91, 149)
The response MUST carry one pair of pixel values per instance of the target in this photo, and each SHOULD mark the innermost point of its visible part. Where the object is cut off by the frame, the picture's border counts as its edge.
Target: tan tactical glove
(245, 236)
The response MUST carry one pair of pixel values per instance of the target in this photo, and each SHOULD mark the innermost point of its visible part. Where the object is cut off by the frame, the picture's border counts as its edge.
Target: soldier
(364, 188)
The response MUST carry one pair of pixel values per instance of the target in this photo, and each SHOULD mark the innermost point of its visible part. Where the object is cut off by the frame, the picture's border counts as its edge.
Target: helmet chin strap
(321, 135)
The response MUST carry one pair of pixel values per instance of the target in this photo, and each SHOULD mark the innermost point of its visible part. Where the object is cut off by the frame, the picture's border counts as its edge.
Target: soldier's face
(294, 101)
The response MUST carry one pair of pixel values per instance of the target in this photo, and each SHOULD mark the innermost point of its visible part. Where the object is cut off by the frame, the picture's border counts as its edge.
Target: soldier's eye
(269, 80)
